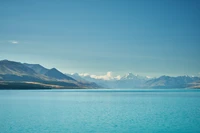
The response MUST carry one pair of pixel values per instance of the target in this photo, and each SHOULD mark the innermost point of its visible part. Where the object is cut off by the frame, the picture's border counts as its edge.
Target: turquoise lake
(100, 111)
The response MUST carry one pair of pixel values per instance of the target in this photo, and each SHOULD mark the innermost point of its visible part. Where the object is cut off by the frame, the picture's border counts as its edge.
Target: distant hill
(171, 82)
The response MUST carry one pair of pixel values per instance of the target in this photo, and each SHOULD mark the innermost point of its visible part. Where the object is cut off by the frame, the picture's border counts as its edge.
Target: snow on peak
(129, 76)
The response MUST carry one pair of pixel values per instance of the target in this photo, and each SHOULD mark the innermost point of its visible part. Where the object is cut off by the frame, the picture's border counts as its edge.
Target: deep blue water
(100, 111)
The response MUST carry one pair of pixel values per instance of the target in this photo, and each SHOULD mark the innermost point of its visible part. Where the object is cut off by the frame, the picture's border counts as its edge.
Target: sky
(145, 37)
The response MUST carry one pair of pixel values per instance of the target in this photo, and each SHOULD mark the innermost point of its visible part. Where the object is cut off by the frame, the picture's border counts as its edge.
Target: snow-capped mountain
(127, 81)
(135, 81)
(131, 81)
(131, 76)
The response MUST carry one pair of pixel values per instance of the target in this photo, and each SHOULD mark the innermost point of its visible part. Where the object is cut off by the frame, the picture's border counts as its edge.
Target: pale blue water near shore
(100, 111)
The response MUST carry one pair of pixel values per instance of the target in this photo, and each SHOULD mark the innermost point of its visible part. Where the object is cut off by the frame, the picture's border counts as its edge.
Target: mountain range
(17, 75)
(135, 81)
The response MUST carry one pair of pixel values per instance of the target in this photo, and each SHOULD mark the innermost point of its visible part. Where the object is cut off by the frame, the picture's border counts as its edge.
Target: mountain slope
(15, 75)
(54, 73)
(15, 68)
(84, 82)
(77, 77)
(16, 71)
(37, 68)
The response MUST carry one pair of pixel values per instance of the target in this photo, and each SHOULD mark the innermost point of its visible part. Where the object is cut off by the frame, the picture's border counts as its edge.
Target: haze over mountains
(16, 75)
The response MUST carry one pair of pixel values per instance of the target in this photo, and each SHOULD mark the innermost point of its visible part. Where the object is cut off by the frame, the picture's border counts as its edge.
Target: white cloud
(84, 74)
(14, 42)
(107, 76)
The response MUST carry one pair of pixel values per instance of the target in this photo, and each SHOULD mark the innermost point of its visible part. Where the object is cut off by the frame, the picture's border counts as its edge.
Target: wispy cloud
(13, 41)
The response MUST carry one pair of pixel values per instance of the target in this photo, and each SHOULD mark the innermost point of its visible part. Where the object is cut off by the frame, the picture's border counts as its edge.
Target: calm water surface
(100, 111)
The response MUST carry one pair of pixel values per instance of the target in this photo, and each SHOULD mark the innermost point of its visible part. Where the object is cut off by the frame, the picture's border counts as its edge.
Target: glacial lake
(100, 111)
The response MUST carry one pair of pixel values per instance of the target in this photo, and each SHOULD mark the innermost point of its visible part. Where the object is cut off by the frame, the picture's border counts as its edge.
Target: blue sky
(145, 37)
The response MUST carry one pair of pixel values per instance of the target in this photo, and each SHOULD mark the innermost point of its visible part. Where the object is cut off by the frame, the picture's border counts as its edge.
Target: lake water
(100, 111)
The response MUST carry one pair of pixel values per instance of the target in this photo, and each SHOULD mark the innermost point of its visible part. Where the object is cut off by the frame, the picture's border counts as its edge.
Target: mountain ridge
(17, 68)
(21, 74)
(37, 68)
(54, 73)
(135, 81)
(12, 71)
